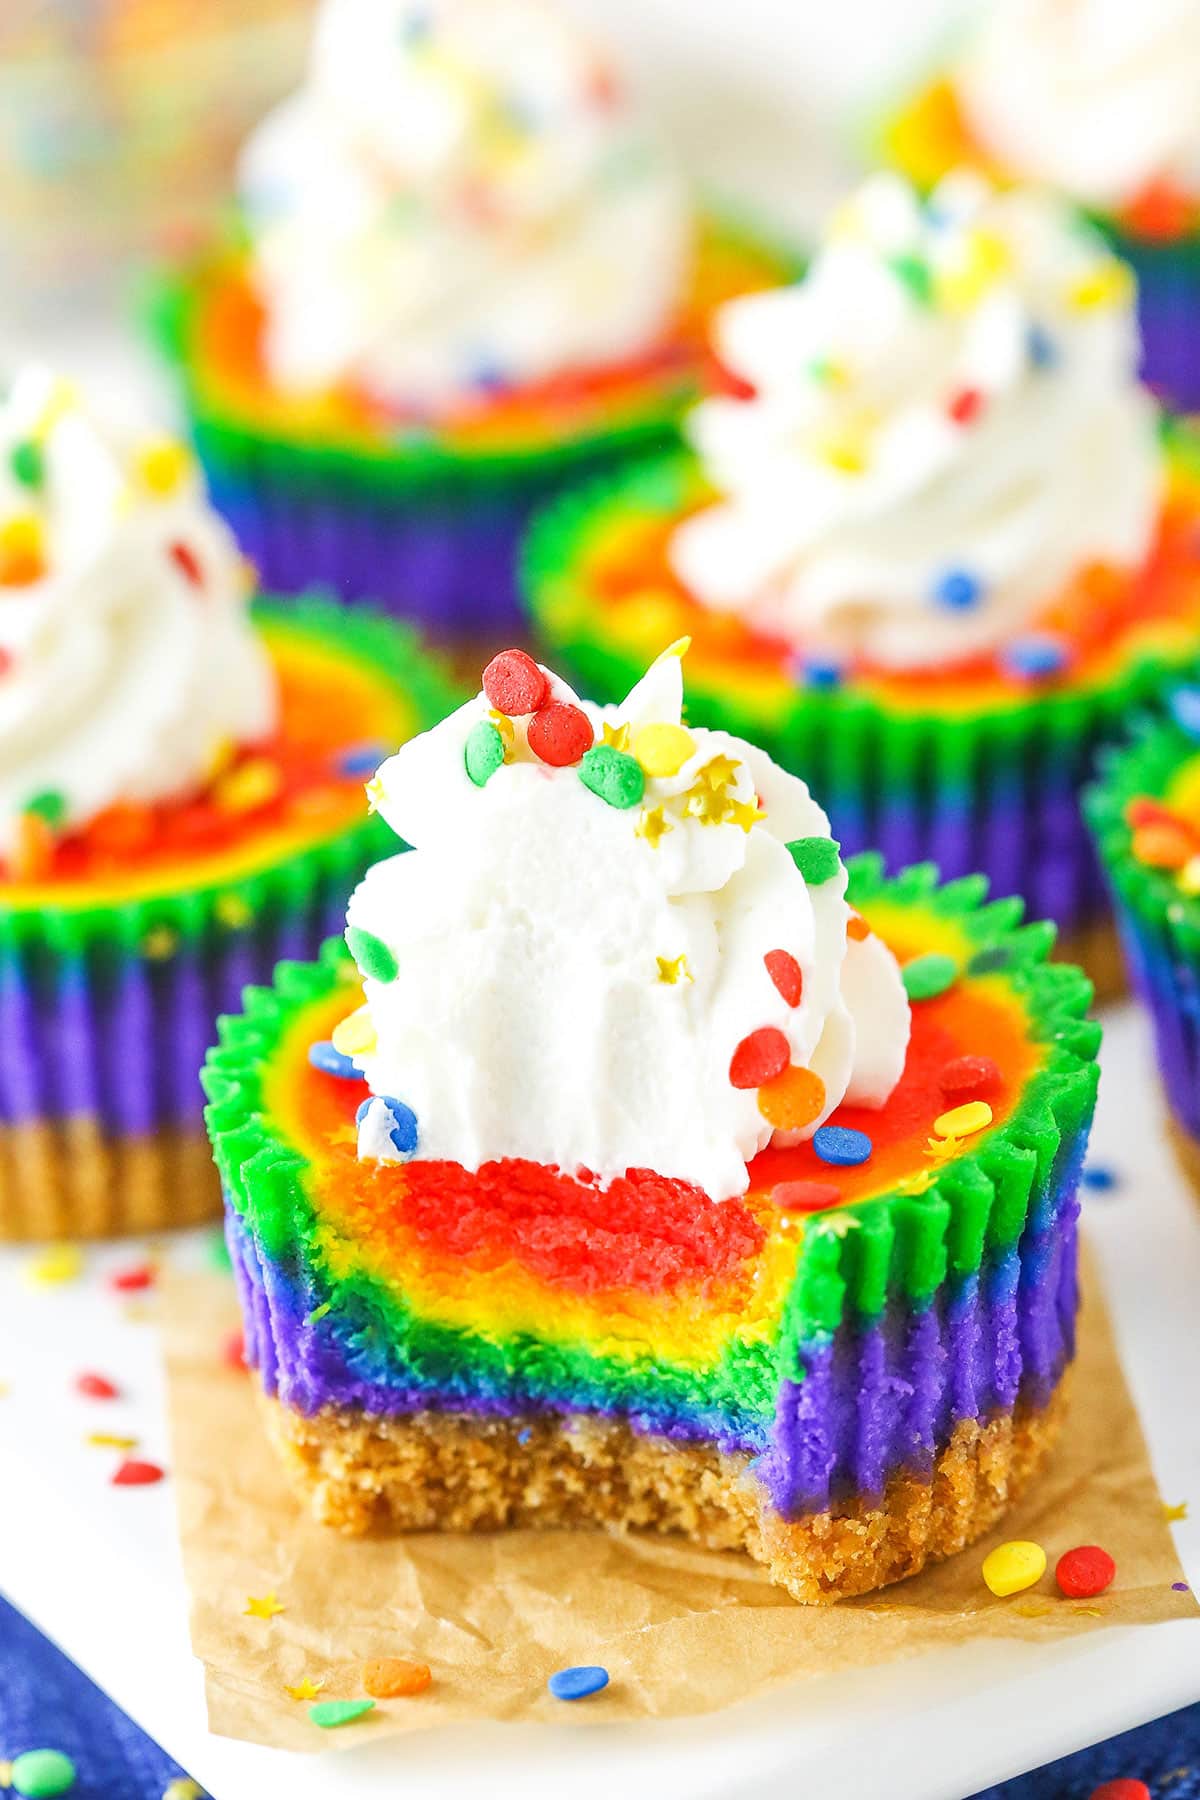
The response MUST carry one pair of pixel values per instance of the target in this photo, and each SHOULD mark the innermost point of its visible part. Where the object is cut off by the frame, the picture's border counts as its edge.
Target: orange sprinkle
(792, 1099)
(1163, 846)
(33, 852)
(391, 1678)
(120, 829)
(857, 928)
(22, 551)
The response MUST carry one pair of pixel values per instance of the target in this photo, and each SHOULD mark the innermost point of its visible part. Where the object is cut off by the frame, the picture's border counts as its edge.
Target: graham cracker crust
(1096, 949)
(69, 1178)
(1187, 1150)
(455, 1472)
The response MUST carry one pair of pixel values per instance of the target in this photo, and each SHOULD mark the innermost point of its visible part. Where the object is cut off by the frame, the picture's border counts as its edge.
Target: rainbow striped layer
(836, 1348)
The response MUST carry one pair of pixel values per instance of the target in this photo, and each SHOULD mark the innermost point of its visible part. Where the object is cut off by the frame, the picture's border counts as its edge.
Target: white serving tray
(98, 1567)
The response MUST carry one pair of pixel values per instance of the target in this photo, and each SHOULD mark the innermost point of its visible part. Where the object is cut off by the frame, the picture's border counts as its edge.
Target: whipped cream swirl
(1100, 98)
(946, 427)
(127, 658)
(566, 978)
(460, 198)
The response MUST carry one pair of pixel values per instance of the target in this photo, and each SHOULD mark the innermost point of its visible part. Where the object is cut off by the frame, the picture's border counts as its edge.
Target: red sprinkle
(133, 1279)
(969, 1076)
(1084, 1571)
(559, 734)
(1124, 1788)
(514, 684)
(805, 1196)
(96, 1387)
(966, 405)
(759, 1057)
(1142, 810)
(185, 558)
(785, 972)
(233, 1351)
(132, 1473)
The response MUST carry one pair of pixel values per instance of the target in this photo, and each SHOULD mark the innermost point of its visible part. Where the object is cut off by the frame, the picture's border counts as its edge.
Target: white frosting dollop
(946, 427)
(460, 197)
(574, 977)
(127, 658)
(1100, 98)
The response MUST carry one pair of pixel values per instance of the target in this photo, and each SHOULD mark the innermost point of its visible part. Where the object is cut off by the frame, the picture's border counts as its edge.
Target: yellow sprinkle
(719, 773)
(264, 1607)
(1110, 284)
(234, 911)
(847, 454)
(220, 757)
(1173, 1514)
(5, 1774)
(963, 1121)
(1033, 1609)
(920, 1183)
(21, 536)
(835, 1224)
(673, 970)
(986, 258)
(1013, 1567)
(942, 1149)
(615, 737)
(160, 942)
(64, 396)
(744, 813)
(109, 1440)
(57, 1264)
(662, 750)
(706, 805)
(1087, 1612)
(305, 1690)
(163, 465)
(355, 1034)
(375, 794)
(1188, 878)
(653, 825)
(183, 1788)
(505, 727)
(254, 783)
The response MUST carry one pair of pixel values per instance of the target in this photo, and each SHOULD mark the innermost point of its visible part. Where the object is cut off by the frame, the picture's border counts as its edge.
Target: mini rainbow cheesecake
(468, 272)
(180, 805)
(930, 550)
(635, 1162)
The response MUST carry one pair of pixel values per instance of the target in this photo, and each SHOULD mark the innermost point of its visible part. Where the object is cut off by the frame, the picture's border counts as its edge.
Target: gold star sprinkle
(744, 813)
(706, 805)
(375, 794)
(234, 911)
(159, 943)
(616, 737)
(304, 1690)
(653, 825)
(1174, 1514)
(262, 1607)
(942, 1149)
(920, 1183)
(673, 970)
(836, 1225)
(1087, 1612)
(719, 773)
(1032, 1609)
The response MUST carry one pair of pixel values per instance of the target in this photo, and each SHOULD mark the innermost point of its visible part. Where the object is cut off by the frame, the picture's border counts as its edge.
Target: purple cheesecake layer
(1168, 277)
(1166, 976)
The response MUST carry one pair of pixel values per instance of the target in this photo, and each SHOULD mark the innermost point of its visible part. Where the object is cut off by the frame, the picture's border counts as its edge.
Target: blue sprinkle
(1040, 653)
(578, 1683)
(486, 373)
(957, 589)
(402, 1133)
(524, 1435)
(839, 1145)
(818, 671)
(323, 1056)
(1043, 351)
(1185, 710)
(360, 759)
(1100, 1178)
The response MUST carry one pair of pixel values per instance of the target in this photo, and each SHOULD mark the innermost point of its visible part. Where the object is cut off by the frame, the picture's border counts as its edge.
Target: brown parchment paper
(680, 1630)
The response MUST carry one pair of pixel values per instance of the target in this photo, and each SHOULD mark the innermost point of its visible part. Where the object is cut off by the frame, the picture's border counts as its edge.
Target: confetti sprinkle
(304, 1690)
(233, 1351)
(1099, 1178)
(1040, 347)
(187, 562)
(109, 1440)
(963, 1121)
(1084, 1572)
(786, 974)
(577, 1683)
(759, 1057)
(1163, 846)
(925, 977)
(39, 1774)
(653, 826)
(483, 752)
(22, 551)
(355, 1034)
(560, 734)
(183, 1788)
(1184, 706)
(322, 1055)
(957, 589)
(1109, 284)
(360, 759)
(1035, 656)
(1180, 1587)
(817, 859)
(371, 954)
(264, 1606)
(792, 1100)
(1013, 1567)
(234, 911)
(673, 969)
(613, 776)
(96, 1387)
(134, 1279)
(55, 1266)
(1174, 1515)
(662, 750)
(965, 406)
(968, 1077)
(248, 788)
(1124, 1788)
(821, 672)
(135, 1473)
(913, 273)
(844, 1148)
(160, 942)
(163, 466)
(402, 1130)
(28, 464)
(515, 685)
(392, 1678)
(329, 1714)
(805, 1196)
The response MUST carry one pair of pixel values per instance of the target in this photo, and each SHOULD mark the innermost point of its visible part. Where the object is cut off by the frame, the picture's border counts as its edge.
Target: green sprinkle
(319, 1312)
(40, 1773)
(328, 1713)
(28, 464)
(371, 954)
(915, 275)
(218, 1252)
(925, 977)
(987, 962)
(483, 752)
(817, 858)
(50, 806)
(615, 776)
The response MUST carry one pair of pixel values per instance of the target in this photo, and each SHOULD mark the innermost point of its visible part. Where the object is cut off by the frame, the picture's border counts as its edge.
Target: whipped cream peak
(1099, 98)
(617, 942)
(127, 658)
(461, 197)
(945, 428)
